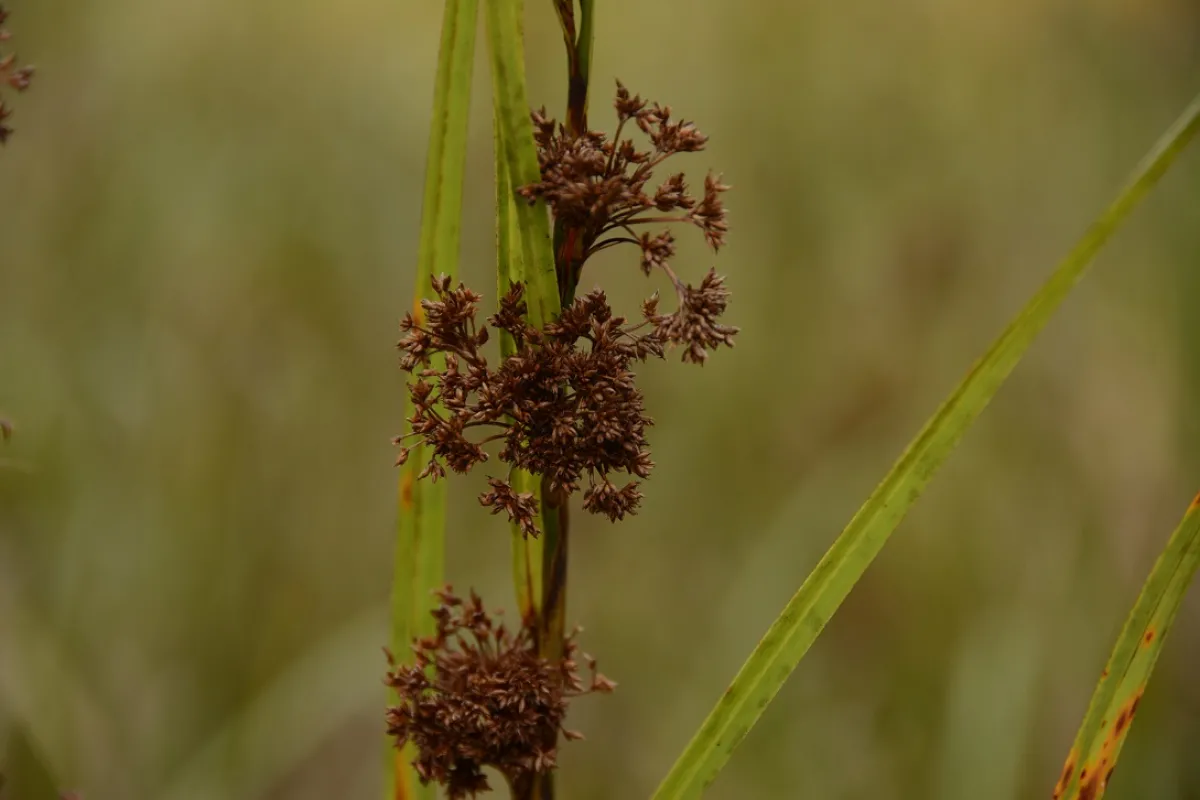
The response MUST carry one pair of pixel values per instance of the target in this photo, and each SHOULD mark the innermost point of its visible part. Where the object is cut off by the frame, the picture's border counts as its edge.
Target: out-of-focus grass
(209, 220)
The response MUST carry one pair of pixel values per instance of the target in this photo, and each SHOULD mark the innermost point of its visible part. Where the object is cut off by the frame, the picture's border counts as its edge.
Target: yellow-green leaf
(1117, 695)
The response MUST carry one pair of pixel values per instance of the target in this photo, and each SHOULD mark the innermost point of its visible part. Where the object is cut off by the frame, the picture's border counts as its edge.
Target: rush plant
(542, 393)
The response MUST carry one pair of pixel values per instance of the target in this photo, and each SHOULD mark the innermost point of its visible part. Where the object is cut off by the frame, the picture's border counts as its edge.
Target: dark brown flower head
(521, 508)
(11, 75)
(600, 187)
(604, 498)
(565, 405)
(600, 192)
(694, 325)
(479, 695)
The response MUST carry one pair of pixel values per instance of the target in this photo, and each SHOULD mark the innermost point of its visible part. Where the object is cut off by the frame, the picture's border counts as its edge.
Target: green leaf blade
(510, 269)
(530, 221)
(805, 616)
(421, 519)
(523, 238)
(1115, 700)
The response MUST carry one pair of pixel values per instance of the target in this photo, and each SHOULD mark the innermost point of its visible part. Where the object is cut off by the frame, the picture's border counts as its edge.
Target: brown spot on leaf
(1095, 777)
(406, 490)
(1195, 502)
(1067, 771)
(1090, 790)
(1148, 638)
(401, 786)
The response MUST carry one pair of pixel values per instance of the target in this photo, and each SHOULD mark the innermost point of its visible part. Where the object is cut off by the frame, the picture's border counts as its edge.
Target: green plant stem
(810, 609)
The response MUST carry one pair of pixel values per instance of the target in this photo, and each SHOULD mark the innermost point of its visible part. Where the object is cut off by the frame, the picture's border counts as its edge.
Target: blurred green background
(208, 223)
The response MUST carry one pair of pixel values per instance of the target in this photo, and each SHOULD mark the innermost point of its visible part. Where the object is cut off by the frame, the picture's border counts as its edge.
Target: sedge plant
(559, 424)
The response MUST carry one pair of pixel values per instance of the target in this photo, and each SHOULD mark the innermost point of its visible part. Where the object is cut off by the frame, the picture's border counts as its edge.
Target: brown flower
(565, 405)
(479, 695)
(522, 508)
(599, 191)
(11, 75)
(694, 325)
(600, 188)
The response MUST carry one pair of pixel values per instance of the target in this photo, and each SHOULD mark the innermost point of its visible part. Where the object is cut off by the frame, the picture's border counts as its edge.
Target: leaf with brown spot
(1123, 680)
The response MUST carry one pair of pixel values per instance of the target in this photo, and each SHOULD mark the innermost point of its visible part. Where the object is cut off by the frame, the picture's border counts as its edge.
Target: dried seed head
(478, 694)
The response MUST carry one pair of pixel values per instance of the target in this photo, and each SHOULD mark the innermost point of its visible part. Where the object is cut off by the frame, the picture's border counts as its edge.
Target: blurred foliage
(209, 220)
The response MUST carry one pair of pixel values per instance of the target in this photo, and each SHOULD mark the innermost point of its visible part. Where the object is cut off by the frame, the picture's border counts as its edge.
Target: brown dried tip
(479, 695)
(599, 190)
(12, 76)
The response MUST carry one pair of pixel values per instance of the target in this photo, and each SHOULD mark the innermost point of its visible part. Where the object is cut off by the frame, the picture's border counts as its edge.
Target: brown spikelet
(479, 695)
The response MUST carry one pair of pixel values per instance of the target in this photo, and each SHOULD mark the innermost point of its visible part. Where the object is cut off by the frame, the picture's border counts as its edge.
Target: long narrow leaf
(1115, 701)
(510, 269)
(515, 131)
(420, 536)
(806, 614)
(529, 251)
(523, 237)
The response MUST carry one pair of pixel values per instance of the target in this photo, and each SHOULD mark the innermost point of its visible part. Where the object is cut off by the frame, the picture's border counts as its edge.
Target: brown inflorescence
(12, 76)
(479, 695)
(599, 191)
(564, 405)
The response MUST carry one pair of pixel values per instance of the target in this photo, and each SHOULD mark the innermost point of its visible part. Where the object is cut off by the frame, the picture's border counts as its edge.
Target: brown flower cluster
(15, 77)
(598, 186)
(479, 695)
(564, 406)
(599, 192)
